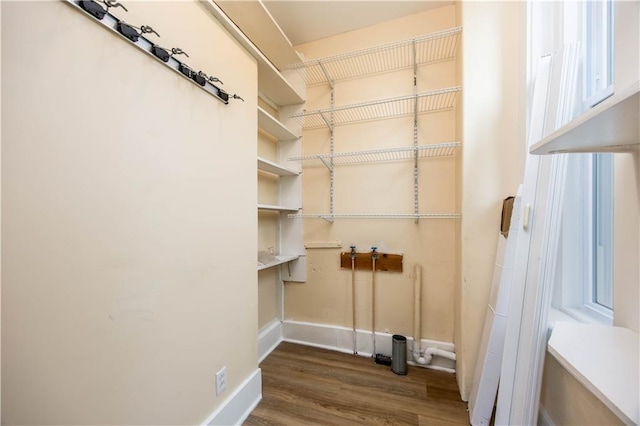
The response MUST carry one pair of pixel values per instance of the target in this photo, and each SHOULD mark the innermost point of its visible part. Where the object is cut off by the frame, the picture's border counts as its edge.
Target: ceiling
(308, 20)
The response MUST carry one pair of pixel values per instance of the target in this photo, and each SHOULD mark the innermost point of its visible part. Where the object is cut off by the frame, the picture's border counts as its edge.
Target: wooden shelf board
(282, 258)
(385, 262)
(275, 87)
(275, 128)
(255, 21)
(271, 167)
(275, 208)
(270, 82)
(612, 126)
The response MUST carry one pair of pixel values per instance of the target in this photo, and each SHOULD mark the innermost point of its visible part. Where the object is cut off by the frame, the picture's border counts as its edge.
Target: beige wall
(381, 188)
(626, 210)
(494, 95)
(626, 245)
(568, 402)
(129, 224)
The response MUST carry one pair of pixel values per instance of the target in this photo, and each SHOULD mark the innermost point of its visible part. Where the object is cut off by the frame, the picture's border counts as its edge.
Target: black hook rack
(137, 36)
(131, 31)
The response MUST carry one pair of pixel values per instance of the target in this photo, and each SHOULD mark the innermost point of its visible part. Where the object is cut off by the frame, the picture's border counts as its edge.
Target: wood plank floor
(303, 385)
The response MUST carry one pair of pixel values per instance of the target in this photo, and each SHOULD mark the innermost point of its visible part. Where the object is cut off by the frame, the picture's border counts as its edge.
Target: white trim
(237, 407)
(604, 360)
(269, 338)
(340, 339)
(544, 419)
(524, 271)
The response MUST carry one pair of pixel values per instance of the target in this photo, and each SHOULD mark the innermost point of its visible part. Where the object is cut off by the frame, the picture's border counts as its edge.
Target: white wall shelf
(282, 258)
(275, 128)
(271, 83)
(604, 359)
(275, 87)
(260, 27)
(274, 168)
(378, 155)
(611, 126)
(435, 100)
(276, 208)
(429, 48)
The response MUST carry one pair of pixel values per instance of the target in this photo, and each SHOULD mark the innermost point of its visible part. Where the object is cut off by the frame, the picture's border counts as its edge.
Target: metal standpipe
(399, 355)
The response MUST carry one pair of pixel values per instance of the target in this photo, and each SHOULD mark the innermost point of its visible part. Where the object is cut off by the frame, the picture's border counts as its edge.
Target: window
(598, 58)
(584, 279)
(584, 284)
(602, 230)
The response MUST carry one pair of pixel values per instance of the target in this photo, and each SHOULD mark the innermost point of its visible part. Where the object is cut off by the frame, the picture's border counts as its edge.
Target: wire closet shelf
(430, 48)
(432, 101)
(330, 217)
(378, 155)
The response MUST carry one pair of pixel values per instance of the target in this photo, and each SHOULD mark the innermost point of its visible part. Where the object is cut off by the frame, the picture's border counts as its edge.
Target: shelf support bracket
(416, 208)
(327, 122)
(328, 218)
(326, 74)
(332, 150)
(327, 164)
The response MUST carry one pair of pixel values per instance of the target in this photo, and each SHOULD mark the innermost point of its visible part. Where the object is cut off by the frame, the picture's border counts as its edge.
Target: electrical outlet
(221, 380)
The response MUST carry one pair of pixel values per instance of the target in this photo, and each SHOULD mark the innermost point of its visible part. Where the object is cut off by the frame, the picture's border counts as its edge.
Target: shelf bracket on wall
(328, 218)
(326, 74)
(327, 121)
(332, 151)
(416, 205)
(328, 164)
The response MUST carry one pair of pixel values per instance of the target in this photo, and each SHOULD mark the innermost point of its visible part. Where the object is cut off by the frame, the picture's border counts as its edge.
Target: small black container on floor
(383, 359)
(399, 355)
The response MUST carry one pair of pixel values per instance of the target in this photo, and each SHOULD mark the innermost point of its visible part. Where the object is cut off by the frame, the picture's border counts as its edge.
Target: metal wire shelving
(330, 217)
(427, 49)
(378, 155)
(432, 101)
(430, 48)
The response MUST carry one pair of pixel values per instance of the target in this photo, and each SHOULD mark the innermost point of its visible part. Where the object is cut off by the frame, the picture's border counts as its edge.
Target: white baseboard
(237, 407)
(544, 419)
(269, 338)
(337, 338)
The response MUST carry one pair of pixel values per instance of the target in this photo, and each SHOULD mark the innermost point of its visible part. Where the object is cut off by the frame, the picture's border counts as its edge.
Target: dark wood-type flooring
(303, 385)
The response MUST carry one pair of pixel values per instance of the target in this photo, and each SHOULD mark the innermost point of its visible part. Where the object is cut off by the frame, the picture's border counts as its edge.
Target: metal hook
(132, 32)
(146, 29)
(234, 96)
(215, 80)
(178, 51)
(113, 3)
